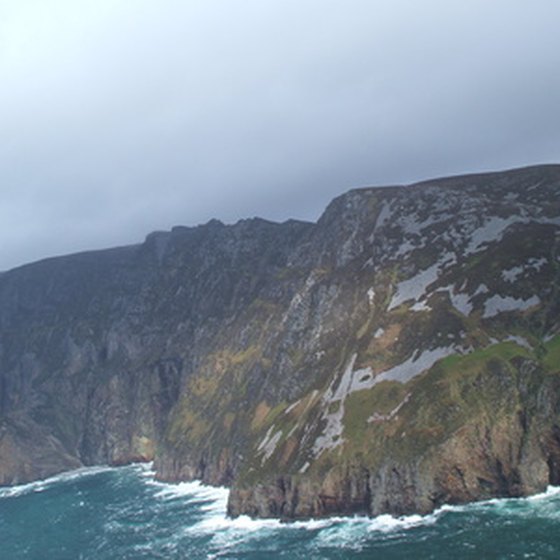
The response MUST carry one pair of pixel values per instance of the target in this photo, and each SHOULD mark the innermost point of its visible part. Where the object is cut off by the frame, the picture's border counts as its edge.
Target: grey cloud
(119, 118)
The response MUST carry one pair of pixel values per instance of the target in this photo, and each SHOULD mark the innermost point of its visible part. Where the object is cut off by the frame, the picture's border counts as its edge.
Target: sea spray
(105, 513)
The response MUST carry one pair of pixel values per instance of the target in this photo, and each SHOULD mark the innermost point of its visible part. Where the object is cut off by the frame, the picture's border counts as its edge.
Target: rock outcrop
(401, 353)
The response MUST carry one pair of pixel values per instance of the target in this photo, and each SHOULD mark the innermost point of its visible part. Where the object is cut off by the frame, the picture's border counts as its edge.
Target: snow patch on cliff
(532, 265)
(414, 366)
(268, 444)
(357, 380)
(482, 289)
(512, 274)
(414, 287)
(500, 304)
(420, 306)
(493, 229)
(384, 215)
(520, 341)
(459, 300)
(332, 433)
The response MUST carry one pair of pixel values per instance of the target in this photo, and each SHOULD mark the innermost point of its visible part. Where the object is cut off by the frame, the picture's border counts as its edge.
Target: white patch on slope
(420, 306)
(268, 445)
(500, 304)
(406, 247)
(414, 366)
(358, 380)
(414, 287)
(384, 214)
(265, 439)
(492, 230)
(301, 415)
(460, 301)
(332, 434)
(376, 417)
(482, 289)
(495, 227)
(292, 406)
(520, 341)
(345, 384)
(512, 274)
(537, 264)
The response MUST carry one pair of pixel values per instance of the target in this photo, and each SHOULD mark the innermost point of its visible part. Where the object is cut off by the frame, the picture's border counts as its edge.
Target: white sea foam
(353, 532)
(194, 491)
(349, 533)
(206, 526)
(335, 532)
(548, 493)
(343, 531)
(146, 469)
(45, 484)
(522, 505)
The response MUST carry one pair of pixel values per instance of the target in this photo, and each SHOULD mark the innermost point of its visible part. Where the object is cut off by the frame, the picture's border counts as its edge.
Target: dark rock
(399, 354)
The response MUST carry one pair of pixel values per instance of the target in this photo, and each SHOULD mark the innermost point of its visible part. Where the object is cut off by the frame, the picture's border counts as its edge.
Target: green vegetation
(551, 359)
(359, 407)
(456, 391)
(274, 413)
(458, 365)
(186, 425)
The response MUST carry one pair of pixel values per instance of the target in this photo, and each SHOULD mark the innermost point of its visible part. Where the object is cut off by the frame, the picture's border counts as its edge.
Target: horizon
(139, 242)
(119, 120)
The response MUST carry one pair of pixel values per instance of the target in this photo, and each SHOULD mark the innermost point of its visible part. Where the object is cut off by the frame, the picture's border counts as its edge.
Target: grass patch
(551, 359)
(455, 392)
(502, 351)
(186, 425)
(359, 406)
(274, 413)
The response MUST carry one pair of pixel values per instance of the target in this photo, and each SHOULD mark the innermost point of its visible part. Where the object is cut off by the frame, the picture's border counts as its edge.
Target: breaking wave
(45, 484)
(105, 513)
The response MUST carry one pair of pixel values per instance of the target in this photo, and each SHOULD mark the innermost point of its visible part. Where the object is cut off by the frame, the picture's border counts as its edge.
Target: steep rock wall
(348, 366)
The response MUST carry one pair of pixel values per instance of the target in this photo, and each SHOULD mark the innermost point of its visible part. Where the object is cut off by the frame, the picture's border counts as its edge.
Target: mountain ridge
(299, 362)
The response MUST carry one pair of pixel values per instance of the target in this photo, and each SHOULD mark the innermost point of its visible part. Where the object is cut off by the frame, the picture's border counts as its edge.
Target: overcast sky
(121, 117)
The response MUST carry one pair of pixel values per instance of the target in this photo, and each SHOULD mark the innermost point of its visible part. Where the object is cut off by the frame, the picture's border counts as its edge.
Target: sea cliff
(400, 353)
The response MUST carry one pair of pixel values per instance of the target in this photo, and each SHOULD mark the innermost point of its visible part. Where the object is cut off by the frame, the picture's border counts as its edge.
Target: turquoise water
(106, 513)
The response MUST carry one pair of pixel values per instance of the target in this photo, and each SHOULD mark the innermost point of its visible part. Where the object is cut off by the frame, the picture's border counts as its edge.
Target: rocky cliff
(402, 352)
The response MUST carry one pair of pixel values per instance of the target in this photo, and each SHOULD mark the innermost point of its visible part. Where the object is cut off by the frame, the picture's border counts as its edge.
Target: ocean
(123, 513)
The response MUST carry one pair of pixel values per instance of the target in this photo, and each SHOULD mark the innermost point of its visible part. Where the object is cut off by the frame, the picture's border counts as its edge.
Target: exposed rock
(401, 353)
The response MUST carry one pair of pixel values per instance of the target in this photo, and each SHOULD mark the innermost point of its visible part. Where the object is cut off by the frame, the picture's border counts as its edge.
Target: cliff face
(401, 353)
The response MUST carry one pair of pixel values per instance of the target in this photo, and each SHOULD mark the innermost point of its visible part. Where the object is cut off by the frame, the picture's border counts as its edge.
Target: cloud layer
(119, 117)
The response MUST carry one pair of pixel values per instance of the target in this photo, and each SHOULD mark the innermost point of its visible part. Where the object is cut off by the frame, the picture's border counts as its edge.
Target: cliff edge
(401, 353)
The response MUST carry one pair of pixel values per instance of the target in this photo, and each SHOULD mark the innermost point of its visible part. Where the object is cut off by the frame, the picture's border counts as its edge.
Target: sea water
(108, 513)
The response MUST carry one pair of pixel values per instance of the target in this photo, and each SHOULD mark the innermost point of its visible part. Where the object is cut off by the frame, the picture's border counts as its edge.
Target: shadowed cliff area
(402, 352)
